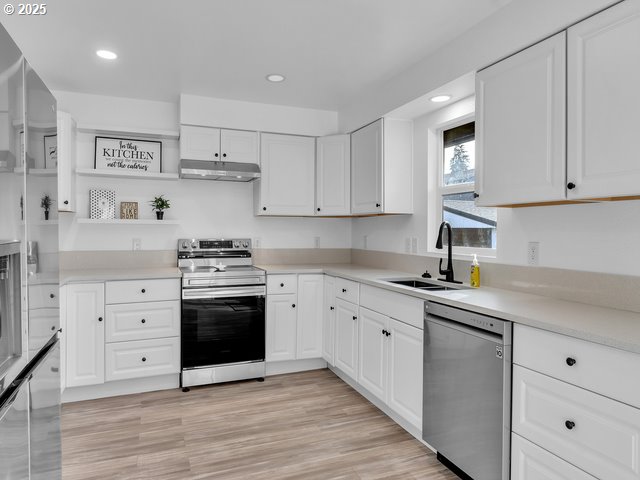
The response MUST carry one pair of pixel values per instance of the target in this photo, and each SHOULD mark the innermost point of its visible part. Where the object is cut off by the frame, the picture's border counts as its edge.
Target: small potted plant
(45, 203)
(159, 205)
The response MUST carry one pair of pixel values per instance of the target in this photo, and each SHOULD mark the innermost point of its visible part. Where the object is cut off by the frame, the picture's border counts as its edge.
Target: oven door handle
(198, 293)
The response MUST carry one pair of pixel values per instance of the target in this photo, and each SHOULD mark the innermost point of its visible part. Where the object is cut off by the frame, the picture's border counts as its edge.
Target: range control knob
(185, 245)
(194, 244)
(236, 244)
(245, 244)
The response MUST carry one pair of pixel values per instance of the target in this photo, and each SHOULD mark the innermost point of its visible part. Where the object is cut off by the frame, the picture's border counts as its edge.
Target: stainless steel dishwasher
(466, 403)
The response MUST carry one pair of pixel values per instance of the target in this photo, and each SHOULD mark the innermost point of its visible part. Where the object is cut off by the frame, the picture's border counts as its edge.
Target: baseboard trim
(292, 366)
(121, 387)
(415, 432)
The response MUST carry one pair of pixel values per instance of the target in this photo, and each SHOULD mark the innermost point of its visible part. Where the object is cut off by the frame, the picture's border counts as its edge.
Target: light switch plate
(533, 253)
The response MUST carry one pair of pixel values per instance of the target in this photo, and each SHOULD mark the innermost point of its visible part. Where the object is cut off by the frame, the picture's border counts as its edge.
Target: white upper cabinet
(287, 182)
(382, 168)
(333, 173)
(603, 104)
(520, 127)
(206, 143)
(67, 133)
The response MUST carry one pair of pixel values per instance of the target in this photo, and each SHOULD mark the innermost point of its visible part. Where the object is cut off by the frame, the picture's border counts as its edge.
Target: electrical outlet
(414, 244)
(137, 244)
(257, 242)
(316, 242)
(364, 241)
(407, 244)
(533, 253)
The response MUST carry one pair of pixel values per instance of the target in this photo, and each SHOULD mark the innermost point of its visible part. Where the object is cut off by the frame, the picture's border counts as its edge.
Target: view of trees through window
(473, 226)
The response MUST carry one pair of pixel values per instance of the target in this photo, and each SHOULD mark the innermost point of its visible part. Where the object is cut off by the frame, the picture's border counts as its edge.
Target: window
(473, 227)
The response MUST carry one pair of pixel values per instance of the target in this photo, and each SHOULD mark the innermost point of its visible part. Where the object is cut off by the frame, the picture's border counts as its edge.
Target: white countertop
(608, 326)
(107, 274)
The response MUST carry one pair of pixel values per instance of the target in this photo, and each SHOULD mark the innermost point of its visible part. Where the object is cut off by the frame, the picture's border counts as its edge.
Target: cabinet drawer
(405, 308)
(140, 321)
(594, 433)
(143, 358)
(348, 290)
(130, 291)
(44, 296)
(282, 284)
(530, 462)
(605, 370)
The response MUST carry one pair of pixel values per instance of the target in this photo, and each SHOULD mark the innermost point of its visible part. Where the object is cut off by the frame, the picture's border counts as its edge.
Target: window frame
(441, 189)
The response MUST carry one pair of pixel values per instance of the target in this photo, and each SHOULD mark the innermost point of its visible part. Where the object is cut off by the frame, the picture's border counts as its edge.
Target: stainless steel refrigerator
(30, 445)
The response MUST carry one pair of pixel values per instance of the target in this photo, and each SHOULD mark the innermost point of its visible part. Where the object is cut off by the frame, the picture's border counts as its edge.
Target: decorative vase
(159, 214)
(46, 214)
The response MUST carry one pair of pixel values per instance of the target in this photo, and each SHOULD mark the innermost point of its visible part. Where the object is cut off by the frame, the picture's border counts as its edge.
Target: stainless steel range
(223, 312)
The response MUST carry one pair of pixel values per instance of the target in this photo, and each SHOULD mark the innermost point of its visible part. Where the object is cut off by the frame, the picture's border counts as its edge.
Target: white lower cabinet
(294, 320)
(346, 338)
(84, 333)
(390, 363)
(142, 358)
(281, 327)
(530, 462)
(329, 320)
(139, 321)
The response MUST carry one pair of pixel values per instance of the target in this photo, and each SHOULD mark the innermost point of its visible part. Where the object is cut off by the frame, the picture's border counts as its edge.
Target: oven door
(223, 326)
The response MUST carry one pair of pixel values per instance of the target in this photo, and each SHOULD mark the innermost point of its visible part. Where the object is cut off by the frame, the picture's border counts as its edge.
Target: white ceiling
(328, 49)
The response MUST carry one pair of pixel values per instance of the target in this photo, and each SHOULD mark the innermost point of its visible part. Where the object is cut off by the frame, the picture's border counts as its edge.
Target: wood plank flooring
(308, 425)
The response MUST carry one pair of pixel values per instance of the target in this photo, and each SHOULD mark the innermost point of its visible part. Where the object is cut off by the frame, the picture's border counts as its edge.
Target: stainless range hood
(223, 171)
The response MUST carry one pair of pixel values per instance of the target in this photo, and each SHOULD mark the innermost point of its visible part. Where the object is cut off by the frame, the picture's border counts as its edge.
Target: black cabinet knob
(224, 155)
(144, 359)
(569, 424)
(355, 318)
(571, 185)
(264, 208)
(216, 155)
(475, 195)
(143, 321)
(571, 361)
(143, 291)
(344, 290)
(331, 308)
(51, 295)
(282, 284)
(99, 319)
(293, 305)
(53, 328)
(318, 209)
(377, 205)
(66, 202)
(384, 332)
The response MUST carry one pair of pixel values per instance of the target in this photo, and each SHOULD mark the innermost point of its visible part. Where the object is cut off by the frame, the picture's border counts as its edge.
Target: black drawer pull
(344, 290)
(571, 361)
(99, 319)
(331, 308)
(51, 295)
(66, 202)
(293, 305)
(569, 424)
(282, 284)
(144, 359)
(143, 321)
(355, 318)
(143, 291)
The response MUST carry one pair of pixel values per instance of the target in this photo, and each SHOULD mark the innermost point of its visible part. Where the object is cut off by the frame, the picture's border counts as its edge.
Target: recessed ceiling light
(275, 77)
(440, 98)
(106, 54)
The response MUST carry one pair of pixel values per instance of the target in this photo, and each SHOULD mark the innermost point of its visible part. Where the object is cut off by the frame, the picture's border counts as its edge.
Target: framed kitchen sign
(51, 151)
(128, 155)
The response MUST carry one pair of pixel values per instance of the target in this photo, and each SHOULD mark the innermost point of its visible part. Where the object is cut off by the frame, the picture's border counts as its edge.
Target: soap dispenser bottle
(474, 280)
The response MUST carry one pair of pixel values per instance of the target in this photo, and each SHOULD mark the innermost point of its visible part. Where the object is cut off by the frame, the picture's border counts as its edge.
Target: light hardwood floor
(308, 425)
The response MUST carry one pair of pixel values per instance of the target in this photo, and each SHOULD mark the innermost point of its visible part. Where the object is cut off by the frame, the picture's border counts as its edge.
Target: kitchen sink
(420, 284)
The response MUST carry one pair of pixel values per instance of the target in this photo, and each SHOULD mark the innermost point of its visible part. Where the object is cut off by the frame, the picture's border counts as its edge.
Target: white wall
(204, 208)
(515, 26)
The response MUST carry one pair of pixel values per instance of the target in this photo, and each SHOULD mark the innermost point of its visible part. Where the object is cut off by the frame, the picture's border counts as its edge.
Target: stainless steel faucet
(448, 272)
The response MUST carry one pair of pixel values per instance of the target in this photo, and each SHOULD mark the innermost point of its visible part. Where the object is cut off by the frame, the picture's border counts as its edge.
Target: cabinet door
(372, 362)
(366, 169)
(405, 371)
(520, 126)
(85, 334)
(329, 320)
(67, 133)
(281, 327)
(603, 103)
(333, 173)
(199, 143)
(346, 338)
(287, 185)
(239, 146)
(530, 462)
(309, 324)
